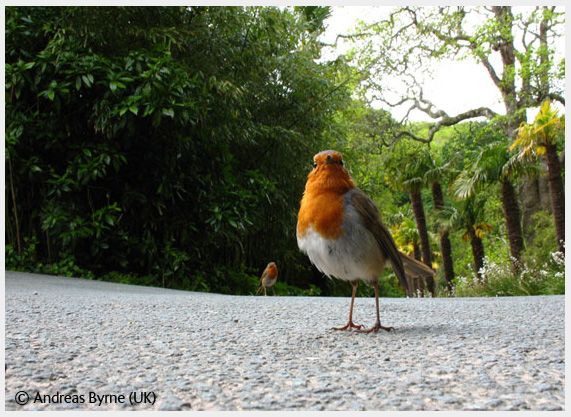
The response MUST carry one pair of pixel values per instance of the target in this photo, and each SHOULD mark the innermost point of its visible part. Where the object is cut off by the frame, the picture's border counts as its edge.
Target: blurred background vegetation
(169, 146)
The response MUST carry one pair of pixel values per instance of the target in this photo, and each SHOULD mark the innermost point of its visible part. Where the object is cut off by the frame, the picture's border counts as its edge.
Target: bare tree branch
(412, 136)
(402, 51)
(493, 75)
(557, 97)
(552, 96)
(447, 121)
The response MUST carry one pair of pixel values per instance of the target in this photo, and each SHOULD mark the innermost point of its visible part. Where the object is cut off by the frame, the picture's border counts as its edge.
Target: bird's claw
(376, 328)
(349, 326)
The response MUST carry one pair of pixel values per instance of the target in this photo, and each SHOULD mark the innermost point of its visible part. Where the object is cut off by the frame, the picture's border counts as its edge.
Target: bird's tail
(414, 268)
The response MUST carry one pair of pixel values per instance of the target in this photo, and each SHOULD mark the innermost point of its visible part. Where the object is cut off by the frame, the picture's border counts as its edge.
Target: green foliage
(168, 146)
(284, 289)
(389, 286)
(546, 129)
(406, 165)
(21, 261)
(542, 243)
(169, 143)
(128, 279)
(26, 261)
(66, 266)
(498, 279)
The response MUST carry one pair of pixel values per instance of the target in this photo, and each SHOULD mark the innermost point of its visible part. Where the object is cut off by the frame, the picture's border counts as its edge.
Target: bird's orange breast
(272, 272)
(324, 212)
(322, 202)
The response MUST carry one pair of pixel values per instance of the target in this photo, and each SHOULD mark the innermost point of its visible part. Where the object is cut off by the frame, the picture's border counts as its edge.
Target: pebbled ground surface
(199, 351)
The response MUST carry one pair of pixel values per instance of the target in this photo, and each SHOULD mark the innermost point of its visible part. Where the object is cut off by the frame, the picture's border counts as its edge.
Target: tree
(131, 133)
(406, 237)
(493, 166)
(540, 139)
(405, 168)
(468, 215)
(403, 46)
(434, 177)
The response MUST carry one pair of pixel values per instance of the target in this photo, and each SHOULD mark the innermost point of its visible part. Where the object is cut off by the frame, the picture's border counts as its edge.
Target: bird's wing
(370, 215)
(415, 268)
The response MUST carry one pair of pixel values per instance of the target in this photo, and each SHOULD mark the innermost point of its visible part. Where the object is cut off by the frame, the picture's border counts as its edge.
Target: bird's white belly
(353, 255)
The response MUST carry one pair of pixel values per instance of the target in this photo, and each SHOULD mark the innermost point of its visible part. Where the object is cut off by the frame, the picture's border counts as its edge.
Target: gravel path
(216, 352)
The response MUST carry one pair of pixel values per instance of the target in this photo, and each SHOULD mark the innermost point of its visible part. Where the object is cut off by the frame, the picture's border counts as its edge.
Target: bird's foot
(376, 328)
(350, 325)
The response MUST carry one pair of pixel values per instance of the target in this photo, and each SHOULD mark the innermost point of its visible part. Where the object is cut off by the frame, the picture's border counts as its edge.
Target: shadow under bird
(340, 230)
(268, 278)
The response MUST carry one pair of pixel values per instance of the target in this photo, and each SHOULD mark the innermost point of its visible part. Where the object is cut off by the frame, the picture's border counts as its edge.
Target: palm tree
(406, 164)
(434, 177)
(491, 166)
(406, 237)
(540, 139)
(468, 216)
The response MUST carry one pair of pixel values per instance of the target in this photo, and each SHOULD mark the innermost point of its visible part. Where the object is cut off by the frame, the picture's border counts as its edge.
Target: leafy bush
(542, 243)
(25, 260)
(166, 143)
(497, 279)
(66, 266)
(283, 288)
(122, 278)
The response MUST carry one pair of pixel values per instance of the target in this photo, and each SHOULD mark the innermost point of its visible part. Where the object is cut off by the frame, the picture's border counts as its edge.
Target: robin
(339, 228)
(268, 278)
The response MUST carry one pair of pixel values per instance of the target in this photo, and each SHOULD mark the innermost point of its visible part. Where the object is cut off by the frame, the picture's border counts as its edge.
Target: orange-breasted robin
(339, 228)
(268, 278)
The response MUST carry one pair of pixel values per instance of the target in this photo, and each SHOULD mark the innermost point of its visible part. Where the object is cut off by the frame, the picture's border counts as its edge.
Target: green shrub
(123, 278)
(25, 260)
(282, 288)
(542, 242)
(497, 279)
(66, 267)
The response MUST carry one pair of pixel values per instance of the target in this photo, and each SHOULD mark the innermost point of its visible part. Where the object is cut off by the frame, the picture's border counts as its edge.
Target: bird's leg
(259, 291)
(350, 324)
(265, 291)
(377, 325)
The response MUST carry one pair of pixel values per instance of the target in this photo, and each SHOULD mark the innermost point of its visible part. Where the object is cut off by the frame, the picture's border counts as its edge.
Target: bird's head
(327, 158)
(328, 173)
(272, 269)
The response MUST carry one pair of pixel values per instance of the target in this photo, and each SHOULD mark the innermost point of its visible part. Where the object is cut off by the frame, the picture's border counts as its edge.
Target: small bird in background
(268, 278)
(339, 228)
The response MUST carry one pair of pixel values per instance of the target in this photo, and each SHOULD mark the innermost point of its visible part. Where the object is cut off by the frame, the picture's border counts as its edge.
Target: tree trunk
(420, 218)
(477, 251)
(512, 216)
(416, 252)
(448, 264)
(505, 45)
(445, 246)
(534, 196)
(543, 53)
(557, 193)
(418, 210)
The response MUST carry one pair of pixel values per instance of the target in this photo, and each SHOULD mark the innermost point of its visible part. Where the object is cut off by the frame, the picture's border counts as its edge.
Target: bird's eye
(341, 162)
(314, 165)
